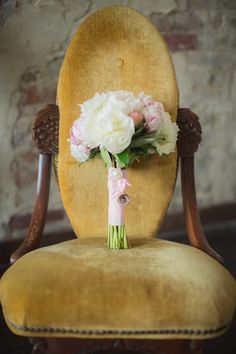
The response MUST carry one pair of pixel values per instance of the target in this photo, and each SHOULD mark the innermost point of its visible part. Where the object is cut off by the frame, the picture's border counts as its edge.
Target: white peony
(166, 136)
(124, 101)
(93, 131)
(107, 122)
(94, 105)
(118, 130)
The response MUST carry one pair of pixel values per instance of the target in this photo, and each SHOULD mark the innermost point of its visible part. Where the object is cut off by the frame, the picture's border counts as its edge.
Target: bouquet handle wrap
(117, 201)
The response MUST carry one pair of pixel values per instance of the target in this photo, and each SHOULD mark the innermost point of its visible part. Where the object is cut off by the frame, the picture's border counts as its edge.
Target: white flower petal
(79, 152)
(166, 136)
(118, 132)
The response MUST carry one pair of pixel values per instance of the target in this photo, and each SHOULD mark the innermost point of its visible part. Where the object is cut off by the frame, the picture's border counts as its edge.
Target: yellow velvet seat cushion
(156, 289)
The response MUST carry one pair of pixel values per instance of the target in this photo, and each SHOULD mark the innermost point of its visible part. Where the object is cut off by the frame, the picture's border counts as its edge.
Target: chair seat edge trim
(177, 333)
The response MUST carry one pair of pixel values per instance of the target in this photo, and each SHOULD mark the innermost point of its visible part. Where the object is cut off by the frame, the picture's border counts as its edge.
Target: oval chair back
(115, 48)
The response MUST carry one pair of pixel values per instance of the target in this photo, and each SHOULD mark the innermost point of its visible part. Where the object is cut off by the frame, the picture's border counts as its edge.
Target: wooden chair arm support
(188, 141)
(193, 223)
(45, 136)
(38, 218)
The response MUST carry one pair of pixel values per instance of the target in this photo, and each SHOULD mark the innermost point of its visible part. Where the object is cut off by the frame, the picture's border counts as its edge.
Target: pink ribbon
(117, 185)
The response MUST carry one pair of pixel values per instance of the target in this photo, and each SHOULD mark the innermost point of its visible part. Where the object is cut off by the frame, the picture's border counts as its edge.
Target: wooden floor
(221, 236)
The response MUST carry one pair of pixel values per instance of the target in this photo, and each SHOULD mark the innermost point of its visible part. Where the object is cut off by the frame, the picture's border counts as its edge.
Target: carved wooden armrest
(188, 140)
(45, 136)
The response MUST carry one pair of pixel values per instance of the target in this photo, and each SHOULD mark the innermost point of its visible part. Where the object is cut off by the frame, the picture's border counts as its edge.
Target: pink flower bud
(137, 117)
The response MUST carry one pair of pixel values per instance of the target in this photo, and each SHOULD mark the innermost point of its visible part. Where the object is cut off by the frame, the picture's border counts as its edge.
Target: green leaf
(142, 141)
(124, 157)
(119, 163)
(138, 153)
(139, 131)
(106, 157)
(94, 152)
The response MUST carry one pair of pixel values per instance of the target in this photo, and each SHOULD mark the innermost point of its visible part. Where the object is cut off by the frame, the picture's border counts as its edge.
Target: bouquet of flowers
(121, 128)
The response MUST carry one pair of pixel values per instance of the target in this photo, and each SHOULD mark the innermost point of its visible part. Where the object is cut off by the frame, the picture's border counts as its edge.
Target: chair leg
(196, 346)
(117, 346)
(39, 345)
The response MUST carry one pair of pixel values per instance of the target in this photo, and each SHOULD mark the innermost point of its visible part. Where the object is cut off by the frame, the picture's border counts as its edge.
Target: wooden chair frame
(45, 136)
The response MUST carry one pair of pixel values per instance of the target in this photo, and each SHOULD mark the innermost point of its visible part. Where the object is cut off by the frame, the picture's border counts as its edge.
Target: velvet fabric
(115, 48)
(156, 289)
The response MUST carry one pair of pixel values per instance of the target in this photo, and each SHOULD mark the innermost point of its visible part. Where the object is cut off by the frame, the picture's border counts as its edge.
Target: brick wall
(33, 37)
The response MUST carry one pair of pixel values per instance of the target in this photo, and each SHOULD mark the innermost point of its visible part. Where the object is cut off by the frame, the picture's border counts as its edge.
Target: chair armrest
(188, 142)
(45, 136)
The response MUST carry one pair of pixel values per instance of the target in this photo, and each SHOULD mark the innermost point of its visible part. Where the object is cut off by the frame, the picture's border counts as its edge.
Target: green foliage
(142, 140)
(94, 153)
(138, 153)
(122, 159)
(139, 131)
(106, 157)
(138, 149)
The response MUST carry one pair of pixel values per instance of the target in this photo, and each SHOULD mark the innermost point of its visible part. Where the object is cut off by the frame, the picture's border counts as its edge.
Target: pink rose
(76, 132)
(80, 152)
(153, 116)
(153, 113)
(79, 149)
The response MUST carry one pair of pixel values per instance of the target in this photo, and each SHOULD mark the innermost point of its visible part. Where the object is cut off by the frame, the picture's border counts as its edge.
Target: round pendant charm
(123, 199)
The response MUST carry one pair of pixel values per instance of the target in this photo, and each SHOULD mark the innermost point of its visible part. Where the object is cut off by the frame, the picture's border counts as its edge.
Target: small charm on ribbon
(123, 199)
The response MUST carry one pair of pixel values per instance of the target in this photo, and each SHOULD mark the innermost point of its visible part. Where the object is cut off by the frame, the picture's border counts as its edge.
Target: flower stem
(117, 237)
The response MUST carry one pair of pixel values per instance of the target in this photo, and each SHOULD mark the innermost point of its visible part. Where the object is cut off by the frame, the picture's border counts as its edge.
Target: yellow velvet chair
(158, 296)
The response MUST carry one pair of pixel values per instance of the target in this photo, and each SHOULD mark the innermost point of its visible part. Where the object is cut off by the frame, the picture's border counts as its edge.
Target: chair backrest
(115, 48)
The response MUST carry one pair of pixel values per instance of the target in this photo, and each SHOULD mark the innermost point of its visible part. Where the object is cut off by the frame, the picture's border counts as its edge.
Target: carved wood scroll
(190, 132)
(46, 130)
(188, 141)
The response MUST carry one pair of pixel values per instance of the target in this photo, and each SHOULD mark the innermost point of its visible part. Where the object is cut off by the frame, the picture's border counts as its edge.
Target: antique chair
(78, 296)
